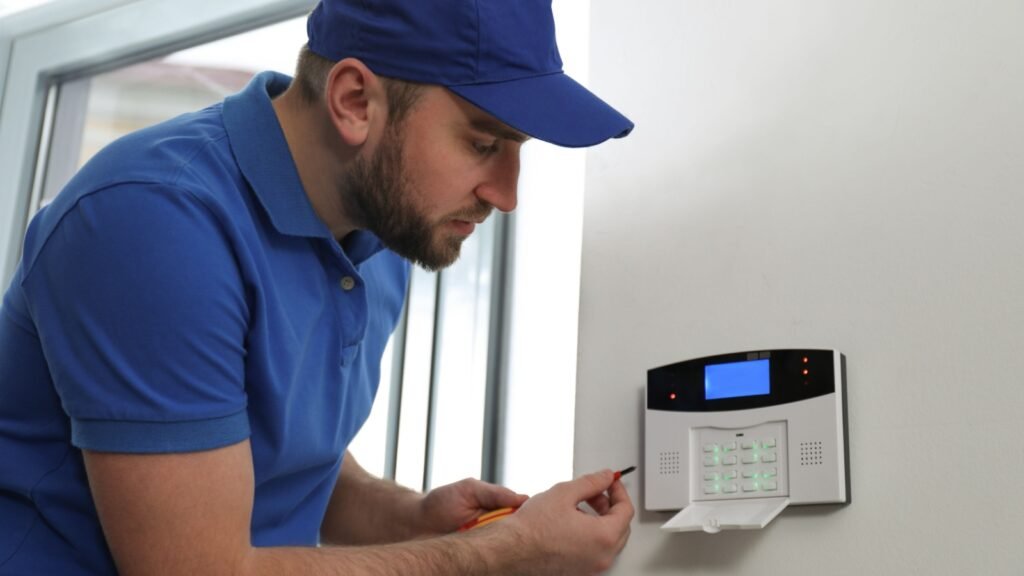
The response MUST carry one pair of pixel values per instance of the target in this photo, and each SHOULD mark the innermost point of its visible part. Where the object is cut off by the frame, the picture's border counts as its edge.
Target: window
(479, 378)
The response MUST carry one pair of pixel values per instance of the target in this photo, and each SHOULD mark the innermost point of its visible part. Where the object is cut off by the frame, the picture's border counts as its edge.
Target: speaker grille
(668, 463)
(810, 454)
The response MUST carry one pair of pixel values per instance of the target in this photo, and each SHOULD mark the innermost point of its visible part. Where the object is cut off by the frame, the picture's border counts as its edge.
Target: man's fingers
(621, 505)
(587, 486)
(599, 504)
(492, 497)
(623, 540)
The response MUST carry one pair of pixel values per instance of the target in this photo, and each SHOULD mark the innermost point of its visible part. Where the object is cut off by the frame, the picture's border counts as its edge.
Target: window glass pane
(460, 373)
(134, 97)
(416, 376)
(94, 111)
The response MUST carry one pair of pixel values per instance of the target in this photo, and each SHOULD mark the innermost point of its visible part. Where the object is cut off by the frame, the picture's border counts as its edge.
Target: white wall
(819, 173)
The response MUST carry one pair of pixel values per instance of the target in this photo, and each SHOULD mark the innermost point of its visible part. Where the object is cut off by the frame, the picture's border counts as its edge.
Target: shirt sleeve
(141, 310)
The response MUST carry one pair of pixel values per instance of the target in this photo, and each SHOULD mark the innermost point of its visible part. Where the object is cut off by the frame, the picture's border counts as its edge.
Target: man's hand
(548, 535)
(561, 539)
(447, 508)
(365, 509)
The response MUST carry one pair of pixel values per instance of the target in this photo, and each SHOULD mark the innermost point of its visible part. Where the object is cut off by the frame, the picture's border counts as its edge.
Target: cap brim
(554, 108)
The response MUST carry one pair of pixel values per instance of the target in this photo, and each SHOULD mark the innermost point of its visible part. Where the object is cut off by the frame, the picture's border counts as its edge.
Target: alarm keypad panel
(732, 463)
(733, 439)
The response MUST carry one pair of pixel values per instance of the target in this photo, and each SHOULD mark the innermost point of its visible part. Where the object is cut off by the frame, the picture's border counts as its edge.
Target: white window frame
(70, 38)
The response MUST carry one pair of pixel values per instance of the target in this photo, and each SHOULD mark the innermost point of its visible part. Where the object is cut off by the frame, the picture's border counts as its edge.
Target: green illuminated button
(730, 446)
(711, 488)
(711, 476)
(750, 459)
(711, 447)
(769, 472)
(730, 475)
(768, 443)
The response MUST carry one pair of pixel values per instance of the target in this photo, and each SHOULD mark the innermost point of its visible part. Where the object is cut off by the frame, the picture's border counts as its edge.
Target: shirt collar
(266, 162)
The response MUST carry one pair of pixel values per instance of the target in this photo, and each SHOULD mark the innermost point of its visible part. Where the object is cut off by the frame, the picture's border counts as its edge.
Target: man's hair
(311, 77)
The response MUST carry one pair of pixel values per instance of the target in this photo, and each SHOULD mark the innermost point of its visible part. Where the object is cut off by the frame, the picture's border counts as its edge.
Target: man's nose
(500, 189)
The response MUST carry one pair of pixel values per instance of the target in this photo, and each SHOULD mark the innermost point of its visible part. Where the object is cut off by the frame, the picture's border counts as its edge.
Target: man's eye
(486, 148)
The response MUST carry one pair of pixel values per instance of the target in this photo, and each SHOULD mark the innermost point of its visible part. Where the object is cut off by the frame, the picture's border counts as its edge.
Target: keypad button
(711, 488)
(750, 459)
(730, 446)
(769, 486)
(711, 476)
(768, 443)
(749, 487)
(711, 460)
(749, 473)
(711, 447)
(730, 489)
(769, 457)
(770, 472)
(729, 460)
(748, 444)
(730, 475)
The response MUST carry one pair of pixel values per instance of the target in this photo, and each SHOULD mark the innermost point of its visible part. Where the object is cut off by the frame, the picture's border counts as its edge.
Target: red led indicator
(806, 359)
(672, 396)
(806, 372)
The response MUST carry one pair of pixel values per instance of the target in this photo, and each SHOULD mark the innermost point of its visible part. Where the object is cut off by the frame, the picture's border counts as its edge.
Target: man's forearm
(365, 509)
(484, 552)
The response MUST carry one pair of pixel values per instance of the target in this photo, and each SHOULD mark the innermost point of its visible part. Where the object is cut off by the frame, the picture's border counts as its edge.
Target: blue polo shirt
(180, 295)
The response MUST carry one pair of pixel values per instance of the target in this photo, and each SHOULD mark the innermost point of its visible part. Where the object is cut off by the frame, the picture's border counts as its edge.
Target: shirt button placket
(349, 316)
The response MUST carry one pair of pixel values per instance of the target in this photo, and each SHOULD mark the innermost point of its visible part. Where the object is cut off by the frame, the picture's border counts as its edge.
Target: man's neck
(317, 153)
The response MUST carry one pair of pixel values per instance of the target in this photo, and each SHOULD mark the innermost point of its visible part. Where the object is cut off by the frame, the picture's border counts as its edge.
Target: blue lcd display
(736, 379)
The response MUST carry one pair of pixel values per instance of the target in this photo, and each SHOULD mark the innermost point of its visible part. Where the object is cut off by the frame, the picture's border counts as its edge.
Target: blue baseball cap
(500, 55)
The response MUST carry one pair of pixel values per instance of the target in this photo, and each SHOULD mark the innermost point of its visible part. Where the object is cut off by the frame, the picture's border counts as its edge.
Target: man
(194, 333)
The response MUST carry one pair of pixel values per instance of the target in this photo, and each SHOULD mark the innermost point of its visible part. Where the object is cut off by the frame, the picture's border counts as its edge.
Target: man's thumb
(589, 485)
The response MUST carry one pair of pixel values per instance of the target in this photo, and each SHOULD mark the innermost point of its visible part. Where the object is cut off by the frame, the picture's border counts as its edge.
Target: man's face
(433, 177)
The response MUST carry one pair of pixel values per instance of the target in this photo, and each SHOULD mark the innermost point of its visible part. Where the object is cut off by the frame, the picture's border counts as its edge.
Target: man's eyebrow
(498, 129)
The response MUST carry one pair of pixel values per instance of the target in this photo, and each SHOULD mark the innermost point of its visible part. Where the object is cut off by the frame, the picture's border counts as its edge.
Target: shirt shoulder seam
(171, 185)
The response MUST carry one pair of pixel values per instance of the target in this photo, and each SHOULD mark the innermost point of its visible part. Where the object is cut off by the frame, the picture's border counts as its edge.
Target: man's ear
(355, 98)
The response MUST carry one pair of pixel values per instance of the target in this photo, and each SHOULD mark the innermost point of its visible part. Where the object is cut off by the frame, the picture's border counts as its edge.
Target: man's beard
(377, 194)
